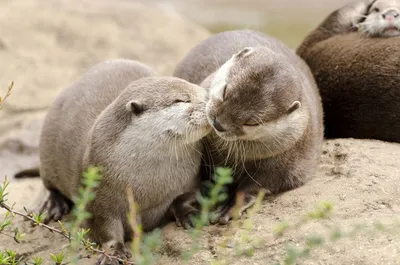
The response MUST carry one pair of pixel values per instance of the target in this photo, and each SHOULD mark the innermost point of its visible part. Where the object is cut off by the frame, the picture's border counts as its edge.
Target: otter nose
(218, 126)
(390, 14)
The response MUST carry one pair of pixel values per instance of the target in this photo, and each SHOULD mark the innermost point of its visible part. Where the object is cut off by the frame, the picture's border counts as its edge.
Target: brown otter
(144, 133)
(265, 110)
(357, 75)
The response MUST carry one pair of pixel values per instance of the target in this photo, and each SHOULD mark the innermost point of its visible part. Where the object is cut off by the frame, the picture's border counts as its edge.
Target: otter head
(168, 106)
(256, 96)
(382, 19)
(154, 113)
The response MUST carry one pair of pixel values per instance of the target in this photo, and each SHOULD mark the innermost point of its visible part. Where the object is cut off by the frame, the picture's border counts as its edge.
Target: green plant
(222, 177)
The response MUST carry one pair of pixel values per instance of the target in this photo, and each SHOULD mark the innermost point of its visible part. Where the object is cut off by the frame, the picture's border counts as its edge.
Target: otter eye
(181, 101)
(224, 91)
(251, 124)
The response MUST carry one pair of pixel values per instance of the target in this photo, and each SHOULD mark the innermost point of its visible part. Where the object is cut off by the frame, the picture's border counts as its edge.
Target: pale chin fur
(191, 126)
(375, 26)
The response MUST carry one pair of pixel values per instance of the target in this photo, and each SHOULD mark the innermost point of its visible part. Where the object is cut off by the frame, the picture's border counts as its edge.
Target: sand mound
(360, 177)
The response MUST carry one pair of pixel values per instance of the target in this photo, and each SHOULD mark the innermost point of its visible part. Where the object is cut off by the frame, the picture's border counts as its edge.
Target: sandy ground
(45, 45)
(359, 177)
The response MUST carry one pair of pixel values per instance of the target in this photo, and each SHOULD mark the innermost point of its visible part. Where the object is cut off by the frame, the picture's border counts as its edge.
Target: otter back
(359, 79)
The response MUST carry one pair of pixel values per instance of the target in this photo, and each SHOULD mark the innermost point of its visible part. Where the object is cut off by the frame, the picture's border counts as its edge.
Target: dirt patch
(361, 178)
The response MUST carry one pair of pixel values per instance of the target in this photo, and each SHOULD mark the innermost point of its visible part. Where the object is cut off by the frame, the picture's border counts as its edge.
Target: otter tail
(28, 173)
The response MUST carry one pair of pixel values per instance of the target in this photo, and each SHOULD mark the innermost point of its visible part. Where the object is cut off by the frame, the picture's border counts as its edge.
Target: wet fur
(123, 118)
(358, 77)
(263, 82)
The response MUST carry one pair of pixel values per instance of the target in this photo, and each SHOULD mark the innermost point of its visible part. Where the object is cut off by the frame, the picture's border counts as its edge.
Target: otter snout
(390, 14)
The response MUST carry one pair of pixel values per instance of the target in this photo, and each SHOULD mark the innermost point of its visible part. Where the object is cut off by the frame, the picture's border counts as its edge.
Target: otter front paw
(184, 208)
(113, 255)
(225, 213)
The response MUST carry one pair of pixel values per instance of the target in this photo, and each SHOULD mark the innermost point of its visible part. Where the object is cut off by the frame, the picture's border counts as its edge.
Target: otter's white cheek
(221, 79)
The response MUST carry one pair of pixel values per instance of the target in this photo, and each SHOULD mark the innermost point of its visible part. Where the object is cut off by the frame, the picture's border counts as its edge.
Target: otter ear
(295, 105)
(134, 107)
(245, 52)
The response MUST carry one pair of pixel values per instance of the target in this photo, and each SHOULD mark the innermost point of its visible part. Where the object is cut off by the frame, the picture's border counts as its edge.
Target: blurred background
(288, 20)
(46, 45)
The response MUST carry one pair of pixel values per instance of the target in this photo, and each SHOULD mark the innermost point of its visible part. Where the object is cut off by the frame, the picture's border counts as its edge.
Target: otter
(382, 19)
(265, 110)
(143, 130)
(357, 71)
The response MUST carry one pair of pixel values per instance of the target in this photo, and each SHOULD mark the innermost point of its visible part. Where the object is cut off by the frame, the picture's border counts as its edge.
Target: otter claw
(226, 213)
(106, 260)
(184, 208)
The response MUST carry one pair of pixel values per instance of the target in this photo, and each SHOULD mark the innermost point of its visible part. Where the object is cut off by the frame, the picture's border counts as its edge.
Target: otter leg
(113, 249)
(225, 212)
(109, 232)
(55, 206)
(183, 208)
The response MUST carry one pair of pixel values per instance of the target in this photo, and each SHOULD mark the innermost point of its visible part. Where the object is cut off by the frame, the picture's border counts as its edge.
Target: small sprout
(336, 234)
(37, 260)
(12, 257)
(58, 258)
(4, 258)
(63, 228)
(6, 222)
(313, 241)
(18, 236)
(324, 209)
(281, 228)
(39, 217)
(3, 188)
(291, 256)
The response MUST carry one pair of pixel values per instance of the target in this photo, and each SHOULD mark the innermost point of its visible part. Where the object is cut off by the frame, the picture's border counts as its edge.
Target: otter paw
(184, 208)
(225, 213)
(55, 206)
(111, 257)
(185, 219)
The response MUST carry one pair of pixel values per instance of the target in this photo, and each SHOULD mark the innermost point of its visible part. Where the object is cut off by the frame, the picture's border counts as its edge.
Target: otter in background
(382, 19)
(265, 109)
(353, 55)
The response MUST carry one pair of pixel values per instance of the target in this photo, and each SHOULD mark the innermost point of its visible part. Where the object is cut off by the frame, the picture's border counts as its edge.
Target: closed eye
(181, 101)
(224, 91)
(251, 124)
(376, 10)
